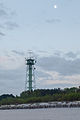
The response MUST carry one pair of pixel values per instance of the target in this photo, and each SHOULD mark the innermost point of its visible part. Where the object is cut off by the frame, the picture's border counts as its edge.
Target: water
(41, 114)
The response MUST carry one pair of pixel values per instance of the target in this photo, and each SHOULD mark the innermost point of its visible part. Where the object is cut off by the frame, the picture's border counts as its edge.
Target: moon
(55, 6)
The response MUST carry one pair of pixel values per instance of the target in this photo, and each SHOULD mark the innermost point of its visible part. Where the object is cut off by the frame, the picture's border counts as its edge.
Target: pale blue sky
(53, 33)
(43, 27)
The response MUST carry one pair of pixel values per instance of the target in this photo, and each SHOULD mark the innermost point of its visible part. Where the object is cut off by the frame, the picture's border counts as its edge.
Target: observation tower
(30, 72)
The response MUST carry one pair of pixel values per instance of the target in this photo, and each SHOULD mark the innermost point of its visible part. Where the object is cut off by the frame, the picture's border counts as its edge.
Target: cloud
(60, 65)
(11, 61)
(18, 52)
(11, 25)
(52, 79)
(42, 51)
(12, 73)
(12, 81)
(1, 26)
(55, 20)
(2, 34)
(3, 11)
(6, 19)
(71, 55)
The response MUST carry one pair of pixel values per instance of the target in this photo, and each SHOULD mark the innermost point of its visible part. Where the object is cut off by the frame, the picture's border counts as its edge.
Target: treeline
(42, 95)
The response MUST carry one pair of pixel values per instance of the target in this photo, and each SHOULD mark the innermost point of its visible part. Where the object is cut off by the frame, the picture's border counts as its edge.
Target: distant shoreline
(42, 105)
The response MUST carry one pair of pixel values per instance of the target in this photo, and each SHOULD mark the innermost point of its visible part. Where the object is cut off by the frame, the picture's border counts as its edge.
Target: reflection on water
(41, 114)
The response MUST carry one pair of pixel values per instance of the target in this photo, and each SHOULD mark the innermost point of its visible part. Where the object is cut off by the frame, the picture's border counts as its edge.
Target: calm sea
(41, 114)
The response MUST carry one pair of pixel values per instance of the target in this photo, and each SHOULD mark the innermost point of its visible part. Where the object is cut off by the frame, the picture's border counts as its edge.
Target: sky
(50, 28)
